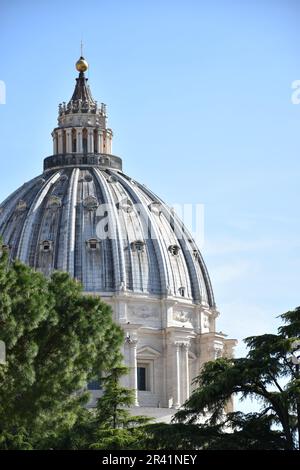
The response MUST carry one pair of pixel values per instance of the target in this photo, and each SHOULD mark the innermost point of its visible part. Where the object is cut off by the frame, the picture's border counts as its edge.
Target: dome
(57, 222)
(85, 216)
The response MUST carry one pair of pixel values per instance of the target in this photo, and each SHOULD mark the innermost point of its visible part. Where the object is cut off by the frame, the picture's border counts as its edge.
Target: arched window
(84, 141)
(174, 249)
(181, 291)
(73, 140)
(46, 246)
(64, 139)
(96, 150)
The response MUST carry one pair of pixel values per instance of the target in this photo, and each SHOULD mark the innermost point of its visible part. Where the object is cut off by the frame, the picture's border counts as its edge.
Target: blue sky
(199, 98)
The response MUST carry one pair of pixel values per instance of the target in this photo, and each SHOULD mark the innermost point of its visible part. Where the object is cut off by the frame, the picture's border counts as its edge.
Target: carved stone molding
(182, 316)
(142, 311)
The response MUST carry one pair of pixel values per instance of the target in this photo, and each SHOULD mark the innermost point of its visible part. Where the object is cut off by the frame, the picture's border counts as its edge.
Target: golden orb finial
(82, 65)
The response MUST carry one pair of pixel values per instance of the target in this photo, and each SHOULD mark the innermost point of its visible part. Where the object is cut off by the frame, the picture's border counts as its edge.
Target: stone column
(90, 140)
(54, 136)
(68, 140)
(186, 347)
(100, 140)
(79, 140)
(133, 368)
(60, 141)
(177, 358)
(108, 143)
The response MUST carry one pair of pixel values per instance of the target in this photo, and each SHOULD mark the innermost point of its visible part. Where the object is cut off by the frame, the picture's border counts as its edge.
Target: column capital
(182, 344)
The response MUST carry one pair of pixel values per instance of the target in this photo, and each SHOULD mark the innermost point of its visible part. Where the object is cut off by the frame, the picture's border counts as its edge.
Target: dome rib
(117, 266)
(156, 242)
(118, 254)
(27, 230)
(201, 284)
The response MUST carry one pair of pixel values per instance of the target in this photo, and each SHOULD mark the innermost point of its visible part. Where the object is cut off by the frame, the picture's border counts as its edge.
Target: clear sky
(199, 98)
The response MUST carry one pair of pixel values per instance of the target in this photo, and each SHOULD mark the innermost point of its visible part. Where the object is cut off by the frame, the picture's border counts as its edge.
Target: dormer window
(138, 246)
(54, 202)
(21, 206)
(88, 178)
(112, 179)
(155, 207)
(181, 291)
(90, 203)
(126, 205)
(46, 246)
(174, 250)
(93, 244)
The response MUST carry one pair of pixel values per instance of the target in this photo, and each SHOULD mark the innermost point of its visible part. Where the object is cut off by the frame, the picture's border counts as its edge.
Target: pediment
(147, 352)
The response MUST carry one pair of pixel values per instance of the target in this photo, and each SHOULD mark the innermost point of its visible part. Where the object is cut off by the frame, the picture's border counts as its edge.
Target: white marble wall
(173, 339)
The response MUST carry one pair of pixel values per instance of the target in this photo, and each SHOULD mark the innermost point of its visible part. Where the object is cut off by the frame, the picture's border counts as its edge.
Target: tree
(117, 428)
(266, 374)
(111, 425)
(247, 432)
(56, 339)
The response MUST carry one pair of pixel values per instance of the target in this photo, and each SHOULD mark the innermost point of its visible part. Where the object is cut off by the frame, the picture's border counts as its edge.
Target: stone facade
(85, 216)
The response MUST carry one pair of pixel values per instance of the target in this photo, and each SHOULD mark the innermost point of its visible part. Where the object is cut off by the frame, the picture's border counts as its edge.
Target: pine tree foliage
(56, 339)
(268, 375)
(117, 427)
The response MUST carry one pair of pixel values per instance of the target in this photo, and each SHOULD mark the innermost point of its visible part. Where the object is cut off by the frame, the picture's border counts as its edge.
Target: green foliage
(119, 439)
(117, 428)
(110, 425)
(247, 431)
(266, 374)
(56, 339)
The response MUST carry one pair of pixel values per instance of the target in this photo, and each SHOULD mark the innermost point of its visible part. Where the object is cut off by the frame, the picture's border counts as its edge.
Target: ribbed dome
(84, 216)
(105, 229)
